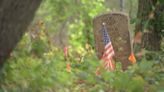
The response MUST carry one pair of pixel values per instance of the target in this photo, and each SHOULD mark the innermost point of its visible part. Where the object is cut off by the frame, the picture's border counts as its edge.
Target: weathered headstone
(117, 26)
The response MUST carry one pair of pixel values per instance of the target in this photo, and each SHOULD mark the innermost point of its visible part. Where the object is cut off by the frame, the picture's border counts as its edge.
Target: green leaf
(161, 1)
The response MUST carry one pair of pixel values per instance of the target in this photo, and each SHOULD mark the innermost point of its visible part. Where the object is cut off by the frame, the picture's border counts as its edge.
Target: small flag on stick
(65, 51)
(108, 50)
(132, 58)
(68, 68)
(97, 71)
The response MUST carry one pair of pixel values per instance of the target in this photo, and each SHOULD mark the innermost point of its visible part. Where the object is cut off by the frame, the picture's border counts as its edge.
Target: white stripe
(107, 58)
(108, 50)
(107, 45)
(110, 55)
(110, 62)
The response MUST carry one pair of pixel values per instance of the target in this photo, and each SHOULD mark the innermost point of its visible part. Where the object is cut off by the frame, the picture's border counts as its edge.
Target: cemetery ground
(62, 48)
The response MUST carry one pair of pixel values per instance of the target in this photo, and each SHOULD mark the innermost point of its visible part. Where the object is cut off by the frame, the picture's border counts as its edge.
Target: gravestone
(117, 27)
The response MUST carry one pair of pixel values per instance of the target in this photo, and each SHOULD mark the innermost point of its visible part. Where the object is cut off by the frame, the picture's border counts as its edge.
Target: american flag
(108, 53)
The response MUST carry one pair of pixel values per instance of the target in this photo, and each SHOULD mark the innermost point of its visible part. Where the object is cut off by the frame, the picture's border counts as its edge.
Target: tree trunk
(15, 16)
(150, 24)
(122, 5)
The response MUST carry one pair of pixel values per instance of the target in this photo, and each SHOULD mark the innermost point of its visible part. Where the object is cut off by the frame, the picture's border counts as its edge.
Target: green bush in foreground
(30, 73)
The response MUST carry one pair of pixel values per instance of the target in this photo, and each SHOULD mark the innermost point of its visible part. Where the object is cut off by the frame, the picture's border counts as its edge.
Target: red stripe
(108, 45)
(108, 63)
(108, 51)
(106, 54)
(109, 48)
(110, 55)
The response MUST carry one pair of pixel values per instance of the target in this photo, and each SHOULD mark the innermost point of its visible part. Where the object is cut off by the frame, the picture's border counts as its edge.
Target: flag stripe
(108, 51)
(109, 64)
(108, 55)
(108, 45)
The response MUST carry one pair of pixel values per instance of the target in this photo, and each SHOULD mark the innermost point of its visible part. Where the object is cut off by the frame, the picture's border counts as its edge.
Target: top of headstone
(112, 13)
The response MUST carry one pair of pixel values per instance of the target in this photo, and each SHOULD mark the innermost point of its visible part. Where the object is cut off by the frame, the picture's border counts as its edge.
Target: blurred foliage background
(38, 63)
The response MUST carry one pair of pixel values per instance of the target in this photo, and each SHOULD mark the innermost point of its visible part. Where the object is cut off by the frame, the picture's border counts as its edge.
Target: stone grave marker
(117, 27)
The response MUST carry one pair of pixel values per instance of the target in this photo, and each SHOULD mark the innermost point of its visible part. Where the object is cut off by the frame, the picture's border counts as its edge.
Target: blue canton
(106, 38)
